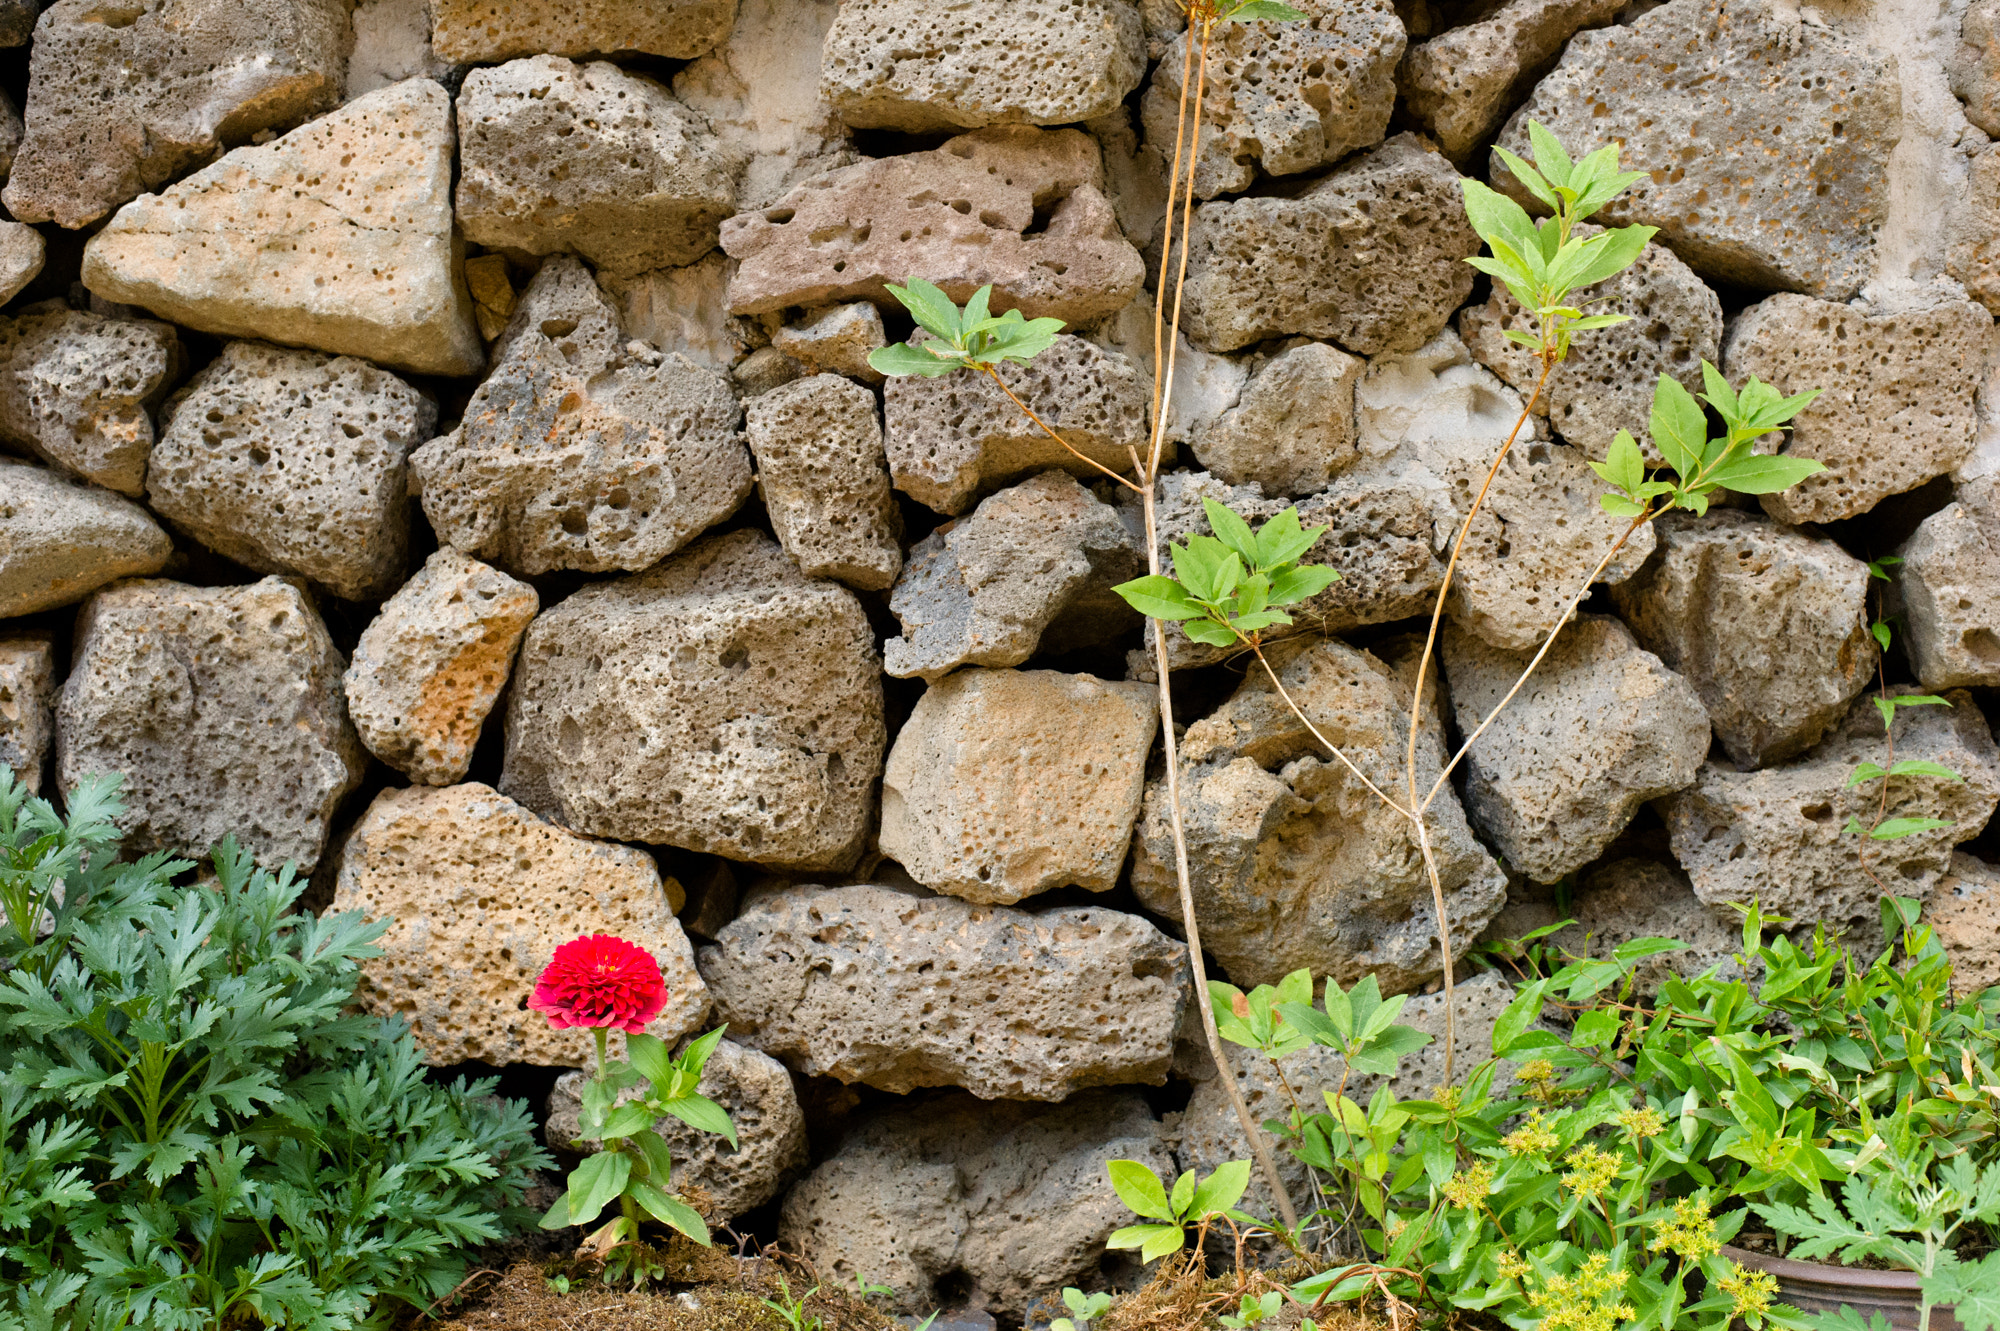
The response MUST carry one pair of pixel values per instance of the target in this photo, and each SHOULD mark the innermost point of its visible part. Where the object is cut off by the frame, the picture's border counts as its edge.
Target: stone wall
(443, 454)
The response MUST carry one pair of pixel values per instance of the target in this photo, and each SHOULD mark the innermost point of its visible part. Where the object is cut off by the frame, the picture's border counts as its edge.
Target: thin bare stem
(994, 375)
(1331, 747)
(1187, 222)
(1167, 249)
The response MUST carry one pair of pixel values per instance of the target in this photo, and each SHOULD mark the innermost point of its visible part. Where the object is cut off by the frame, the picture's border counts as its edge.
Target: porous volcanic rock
(964, 216)
(1295, 862)
(61, 539)
(825, 479)
(120, 105)
(294, 462)
(1765, 141)
(1965, 910)
(482, 893)
(918, 66)
(479, 32)
(1033, 564)
(583, 450)
(221, 707)
(1010, 1199)
(1767, 623)
(75, 388)
(22, 251)
(1606, 383)
(1948, 592)
(1460, 83)
(1779, 837)
(1600, 728)
(1974, 69)
(557, 156)
(1286, 97)
(337, 236)
(1972, 231)
(1292, 428)
(431, 664)
(1371, 257)
(1006, 783)
(900, 989)
(27, 705)
(835, 340)
(721, 702)
(1896, 400)
(1618, 901)
(757, 1093)
(952, 437)
(392, 42)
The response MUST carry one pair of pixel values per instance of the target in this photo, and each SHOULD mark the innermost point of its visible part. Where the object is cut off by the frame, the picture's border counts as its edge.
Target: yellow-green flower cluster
(1691, 1233)
(1532, 1138)
(1640, 1123)
(1581, 1302)
(1511, 1265)
(1468, 1187)
(1591, 1170)
(1537, 1079)
(1751, 1291)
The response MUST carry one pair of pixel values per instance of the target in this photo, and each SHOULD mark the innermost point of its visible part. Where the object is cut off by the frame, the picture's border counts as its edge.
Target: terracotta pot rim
(1824, 1273)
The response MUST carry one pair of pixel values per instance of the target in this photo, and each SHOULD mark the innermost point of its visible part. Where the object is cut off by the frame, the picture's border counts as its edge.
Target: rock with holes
(1017, 208)
(756, 1092)
(60, 539)
(1370, 257)
(27, 706)
(1007, 783)
(721, 702)
(939, 1199)
(122, 100)
(392, 42)
(1896, 400)
(1948, 591)
(1601, 727)
(555, 156)
(1381, 537)
(1972, 231)
(1606, 383)
(1286, 97)
(1032, 569)
(75, 388)
(900, 989)
(1974, 68)
(683, 310)
(220, 707)
(918, 66)
(1460, 83)
(1295, 862)
(1292, 428)
(481, 893)
(835, 340)
(583, 450)
(1767, 623)
(483, 32)
(337, 236)
(431, 664)
(1764, 141)
(760, 93)
(956, 436)
(1779, 836)
(1621, 900)
(825, 479)
(1964, 909)
(1211, 1134)
(294, 462)
(22, 251)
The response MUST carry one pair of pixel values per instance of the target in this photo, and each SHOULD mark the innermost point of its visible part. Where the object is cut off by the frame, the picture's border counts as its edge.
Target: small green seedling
(967, 339)
(868, 1289)
(557, 1284)
(791, 1310)
(1702, 465)
(1253, 1310)
(1170, 1214)
(1083, 1310)
(1227, 588)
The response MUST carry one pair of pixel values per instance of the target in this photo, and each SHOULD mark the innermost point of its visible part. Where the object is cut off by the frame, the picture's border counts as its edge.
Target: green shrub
(191, 1129)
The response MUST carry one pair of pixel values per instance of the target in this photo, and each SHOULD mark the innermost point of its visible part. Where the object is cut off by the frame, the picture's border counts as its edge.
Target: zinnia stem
(603, 1034)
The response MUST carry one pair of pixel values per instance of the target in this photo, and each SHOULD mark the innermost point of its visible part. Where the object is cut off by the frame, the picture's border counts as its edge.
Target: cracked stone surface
(483, 32)
(1767, 623)
(431, 664)
(1460, 83)
(1965, 910)
(555, 156)
(825, 479)
(75, 389)
(900, 989)
(1007, 783)
(836, 340)
(919, 66)
(482, 893)
(61, 539)
(721, 702)
(1295, 862)
(293, 462)
(1948, 591)
(583, 450)
(123, 100)
(27, 706)
(1284, 97)
(1292, 428)
(337, 236)
(222, 708)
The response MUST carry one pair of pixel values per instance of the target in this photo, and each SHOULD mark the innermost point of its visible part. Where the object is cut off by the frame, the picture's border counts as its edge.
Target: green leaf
(1637, 948)
(1619, 506)
(1140, 1189)
(1763, 474)
(1679, 428)
(1597, 321)
(1209, 632)
(1197, 564)
(557, 1216)
(1895, 829)
(1159, 597)
(626, 1119)
(650, 1055)
(1718, 394)
(900, 359)
(658, 1156)
(1612, 252)
(930, 307)
(695, 1057)
(1970, 1289)
(1518, 1016)
(702, 1114)
(1265, 11)
(1382, 1054)
(1258, 621)
(1919, 700)
(1863, 772)
(1220, 1190)
(1232, 531)
(1924, 767)
(1497, 218)
(595, 1183)
(1880, 631)
(1622, 466)
(1550, 159)
(671, 1210)
(1182, 1195)
(1152, 1241)
(1302, 583)
(1519, 338)
(1281, 541)
(1530, 178)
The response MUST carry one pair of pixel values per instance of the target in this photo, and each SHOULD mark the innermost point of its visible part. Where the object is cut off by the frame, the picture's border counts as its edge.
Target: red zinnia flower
(600, 980)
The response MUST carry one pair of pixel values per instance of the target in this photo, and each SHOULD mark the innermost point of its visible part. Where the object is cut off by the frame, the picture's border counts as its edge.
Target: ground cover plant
(192, 1132)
